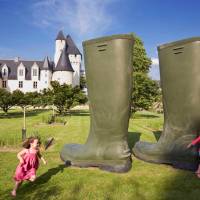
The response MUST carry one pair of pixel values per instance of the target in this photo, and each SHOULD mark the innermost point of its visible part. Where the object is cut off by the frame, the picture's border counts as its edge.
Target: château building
(30, 76)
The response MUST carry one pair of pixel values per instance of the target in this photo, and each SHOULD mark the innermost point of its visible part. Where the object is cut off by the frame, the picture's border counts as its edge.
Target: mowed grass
(145, 181)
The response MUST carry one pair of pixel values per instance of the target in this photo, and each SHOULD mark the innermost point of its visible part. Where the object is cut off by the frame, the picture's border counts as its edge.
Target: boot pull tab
(102, 47)
(178, 50)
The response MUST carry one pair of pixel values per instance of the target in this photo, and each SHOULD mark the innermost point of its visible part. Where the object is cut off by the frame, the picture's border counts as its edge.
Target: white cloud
(154, 71)
(155, 61)
(82, 18)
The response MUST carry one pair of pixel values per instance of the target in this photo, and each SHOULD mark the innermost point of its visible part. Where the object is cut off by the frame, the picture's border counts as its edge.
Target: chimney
(16, 59)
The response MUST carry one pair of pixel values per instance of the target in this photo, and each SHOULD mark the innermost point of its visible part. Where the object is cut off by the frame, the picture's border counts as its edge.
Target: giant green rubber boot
(180, 82)
(108, 64)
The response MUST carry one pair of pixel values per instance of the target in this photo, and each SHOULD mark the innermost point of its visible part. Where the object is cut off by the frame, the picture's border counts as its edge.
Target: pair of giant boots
(108, 64)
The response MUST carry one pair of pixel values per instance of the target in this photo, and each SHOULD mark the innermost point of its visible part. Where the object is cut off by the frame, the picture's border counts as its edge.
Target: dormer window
(21, 72)
(35, 73)
(4, 72)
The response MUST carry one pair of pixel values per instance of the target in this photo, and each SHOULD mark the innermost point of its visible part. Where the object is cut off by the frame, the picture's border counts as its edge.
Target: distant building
(30, 76)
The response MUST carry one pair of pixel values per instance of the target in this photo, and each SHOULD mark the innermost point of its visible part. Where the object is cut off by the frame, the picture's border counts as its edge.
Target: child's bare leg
(198, 171)
(17, 184)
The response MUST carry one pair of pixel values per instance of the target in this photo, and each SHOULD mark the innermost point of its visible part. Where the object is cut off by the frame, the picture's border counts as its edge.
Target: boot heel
(111, 166)
(119, 168)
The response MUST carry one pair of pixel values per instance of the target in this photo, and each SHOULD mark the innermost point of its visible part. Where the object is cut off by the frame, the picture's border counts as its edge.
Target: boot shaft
(108, 64)
(180, 82)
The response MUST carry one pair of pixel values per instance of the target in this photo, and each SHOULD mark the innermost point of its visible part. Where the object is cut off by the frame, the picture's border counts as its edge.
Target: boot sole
(175, 163)
(119, 166)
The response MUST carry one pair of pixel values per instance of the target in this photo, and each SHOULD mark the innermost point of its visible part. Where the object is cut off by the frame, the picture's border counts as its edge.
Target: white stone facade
(60, 45)
(30, 76)
(76, 65)
(63, 77)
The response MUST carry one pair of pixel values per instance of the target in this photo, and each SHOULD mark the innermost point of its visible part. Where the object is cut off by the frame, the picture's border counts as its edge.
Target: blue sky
(28, 28)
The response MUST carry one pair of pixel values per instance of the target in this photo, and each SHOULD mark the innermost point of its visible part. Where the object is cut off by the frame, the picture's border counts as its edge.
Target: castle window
(20, 84)
(35, 84)
(34, 72)
(4, 72)
(4, 84)
(21, 72)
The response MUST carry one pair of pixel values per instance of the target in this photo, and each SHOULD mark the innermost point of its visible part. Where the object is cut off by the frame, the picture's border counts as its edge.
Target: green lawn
(145, 181)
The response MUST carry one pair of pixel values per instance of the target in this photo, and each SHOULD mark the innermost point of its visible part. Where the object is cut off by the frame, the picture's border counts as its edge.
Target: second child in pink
(194, 142)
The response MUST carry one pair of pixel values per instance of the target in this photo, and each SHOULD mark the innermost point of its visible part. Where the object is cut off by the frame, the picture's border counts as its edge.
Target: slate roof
(12, 67)
(47, 65)
(71, 47)
(64, 63)
(60, 36)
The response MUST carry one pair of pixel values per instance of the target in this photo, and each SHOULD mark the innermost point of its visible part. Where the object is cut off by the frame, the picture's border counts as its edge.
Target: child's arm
(42, 158)
(20, 154)
(189, 145)
(197, 140)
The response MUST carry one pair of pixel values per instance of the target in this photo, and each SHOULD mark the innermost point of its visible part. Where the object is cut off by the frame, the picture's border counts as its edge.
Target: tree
(82, 82)
(47, 97)
(34, 99)
(22, 100)
(6, 101)
(78, 97)
(145, 90)
(65, 96)
(141, 63)
(60, 101)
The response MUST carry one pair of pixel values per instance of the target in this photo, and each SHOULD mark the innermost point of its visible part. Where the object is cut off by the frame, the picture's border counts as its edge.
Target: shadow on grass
(140, 115)
(183, 186)
(46, 176)
(33, 192)
(36, 190)
(133, 137)
(19, 114)
(40, 189)
(79, 113)
(31, 113)
(157, 134)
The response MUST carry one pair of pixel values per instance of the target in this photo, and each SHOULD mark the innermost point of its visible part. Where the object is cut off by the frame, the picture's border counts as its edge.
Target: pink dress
(27, 169)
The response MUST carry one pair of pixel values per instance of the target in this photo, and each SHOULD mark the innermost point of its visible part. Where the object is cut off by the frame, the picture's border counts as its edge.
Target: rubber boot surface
(180, 82)
(108, 64)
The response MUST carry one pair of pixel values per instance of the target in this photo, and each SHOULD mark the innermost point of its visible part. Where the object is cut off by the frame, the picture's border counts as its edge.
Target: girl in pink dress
(29, 162)
(194, 142)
